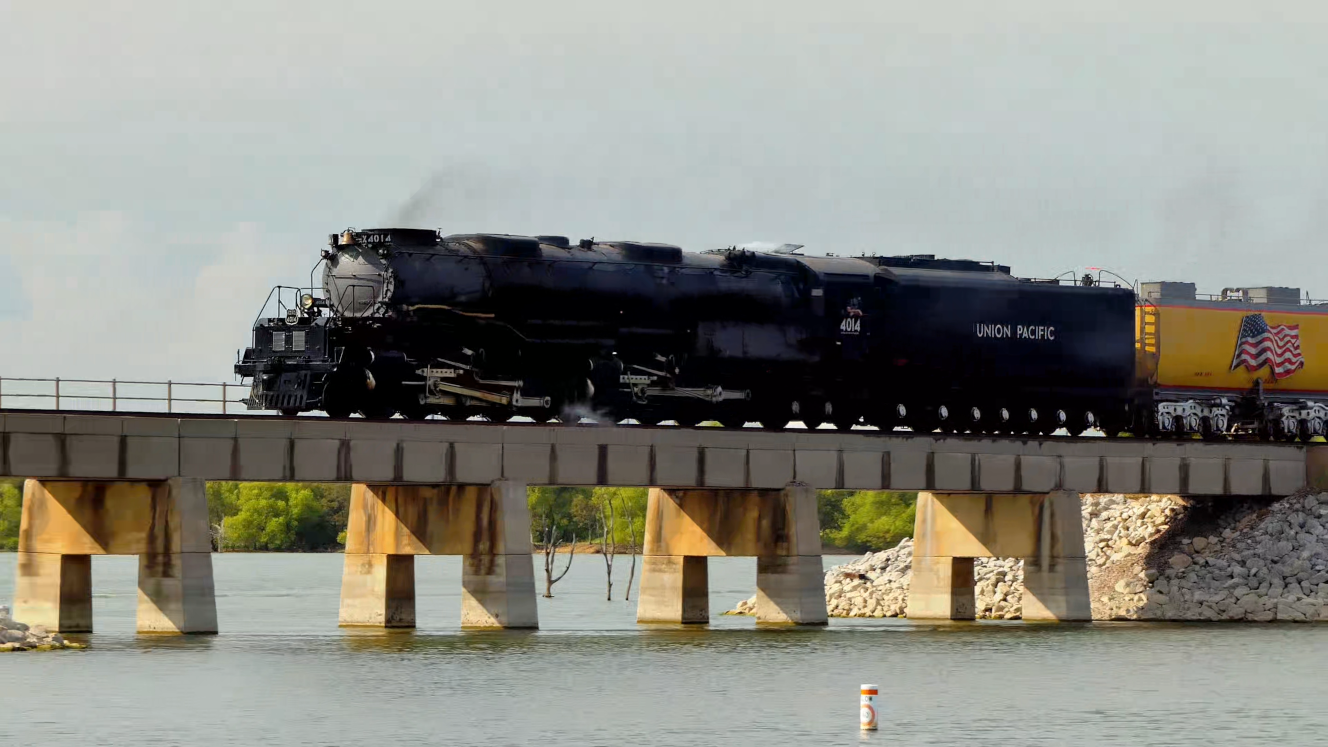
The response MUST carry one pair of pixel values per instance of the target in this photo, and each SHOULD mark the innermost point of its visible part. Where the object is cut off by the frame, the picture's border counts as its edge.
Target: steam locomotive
(413, 322)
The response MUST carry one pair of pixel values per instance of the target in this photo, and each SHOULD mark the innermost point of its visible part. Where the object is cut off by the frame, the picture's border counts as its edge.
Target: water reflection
(368, 641)
(161, 642)
(282, 672)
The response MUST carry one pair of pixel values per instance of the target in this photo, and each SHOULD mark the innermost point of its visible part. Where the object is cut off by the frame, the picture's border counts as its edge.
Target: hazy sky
(162, 164)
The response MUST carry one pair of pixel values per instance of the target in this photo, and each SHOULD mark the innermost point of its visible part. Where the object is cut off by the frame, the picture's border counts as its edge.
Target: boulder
(1258, 563)
(1131, 585)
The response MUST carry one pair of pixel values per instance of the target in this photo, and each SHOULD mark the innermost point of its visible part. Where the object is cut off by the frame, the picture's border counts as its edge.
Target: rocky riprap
(1149, 558)
(1256, 563)
(15, 636)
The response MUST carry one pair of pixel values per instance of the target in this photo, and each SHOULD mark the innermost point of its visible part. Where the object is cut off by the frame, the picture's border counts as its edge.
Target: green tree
(334, 498)
(297, 517)
(11, 510)
(830, 510)
(564, 510)
(280, 517)
(874, 520)
(630, 508)
(223, 500)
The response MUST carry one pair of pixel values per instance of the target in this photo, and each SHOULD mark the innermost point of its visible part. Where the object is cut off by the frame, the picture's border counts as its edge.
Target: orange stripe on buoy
(869, 692)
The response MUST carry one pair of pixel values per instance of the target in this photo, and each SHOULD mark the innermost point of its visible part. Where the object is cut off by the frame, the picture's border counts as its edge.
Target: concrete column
(164, 523)
(176, 593)
(498, 587)
(54, 590)
(790, 590)
(1045, 530)
(378, 590)
(790, 585)
(498, 591)
(489, 526)
(674, 589)
(778, 527)
(941, 589)
(1056, 580)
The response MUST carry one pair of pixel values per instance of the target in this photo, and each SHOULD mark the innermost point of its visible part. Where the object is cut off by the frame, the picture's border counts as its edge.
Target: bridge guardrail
(115, 395)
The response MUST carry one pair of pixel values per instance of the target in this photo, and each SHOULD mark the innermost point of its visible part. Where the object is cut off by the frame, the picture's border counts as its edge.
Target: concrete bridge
(134, 484)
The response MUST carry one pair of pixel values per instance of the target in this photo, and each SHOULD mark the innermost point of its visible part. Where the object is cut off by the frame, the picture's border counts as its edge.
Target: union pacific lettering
(1015, 331)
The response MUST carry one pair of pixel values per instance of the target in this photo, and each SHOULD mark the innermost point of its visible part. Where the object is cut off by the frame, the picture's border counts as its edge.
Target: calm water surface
(282, 673)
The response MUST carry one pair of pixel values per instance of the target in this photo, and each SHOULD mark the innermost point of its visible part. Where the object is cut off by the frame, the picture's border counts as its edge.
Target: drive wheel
(334, 403)
(414, 410)
(1077, 423)
(944, 416)
(377, 411)
(1112, 429)
(844, 423)
(812, 413)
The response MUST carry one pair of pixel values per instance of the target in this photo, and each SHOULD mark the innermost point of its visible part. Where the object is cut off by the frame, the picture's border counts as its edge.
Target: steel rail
(870, 431)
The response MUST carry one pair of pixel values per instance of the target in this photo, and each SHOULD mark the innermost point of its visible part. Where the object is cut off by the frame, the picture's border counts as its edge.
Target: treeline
(615, 516)
(11, 509)
(865, 520)
(278, 516)
(311, 517)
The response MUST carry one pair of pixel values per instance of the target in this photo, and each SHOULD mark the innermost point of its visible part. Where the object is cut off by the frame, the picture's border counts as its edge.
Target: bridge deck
(149, 447)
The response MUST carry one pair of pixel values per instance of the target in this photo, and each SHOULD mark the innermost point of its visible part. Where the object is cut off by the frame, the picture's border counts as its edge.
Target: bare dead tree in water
(608, 522)
(635, 543)
(549, 531)
(218, 532)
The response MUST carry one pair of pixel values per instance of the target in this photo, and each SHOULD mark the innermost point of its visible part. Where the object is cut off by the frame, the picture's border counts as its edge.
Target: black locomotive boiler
(413, 322)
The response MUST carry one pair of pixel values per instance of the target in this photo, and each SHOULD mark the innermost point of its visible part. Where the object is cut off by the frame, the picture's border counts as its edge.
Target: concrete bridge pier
(164, 523)
(778, 527)
(1046, 531)
(489, 525)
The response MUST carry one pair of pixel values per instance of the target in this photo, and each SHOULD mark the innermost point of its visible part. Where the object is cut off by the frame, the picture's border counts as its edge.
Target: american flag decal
(1276, 346)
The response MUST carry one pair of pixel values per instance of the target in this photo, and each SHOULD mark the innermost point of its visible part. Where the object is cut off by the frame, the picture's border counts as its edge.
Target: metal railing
(116, 395)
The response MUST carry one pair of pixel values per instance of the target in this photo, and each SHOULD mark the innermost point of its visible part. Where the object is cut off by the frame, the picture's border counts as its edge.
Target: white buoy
(868, 719)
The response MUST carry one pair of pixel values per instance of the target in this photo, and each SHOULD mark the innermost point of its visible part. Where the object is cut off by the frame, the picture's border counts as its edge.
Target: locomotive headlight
(307, 301)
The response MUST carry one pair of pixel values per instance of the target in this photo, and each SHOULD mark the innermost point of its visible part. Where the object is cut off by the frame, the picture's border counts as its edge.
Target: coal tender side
(973, 348)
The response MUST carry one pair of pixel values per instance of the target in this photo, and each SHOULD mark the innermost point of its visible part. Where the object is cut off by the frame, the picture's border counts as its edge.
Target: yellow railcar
(1248, 360)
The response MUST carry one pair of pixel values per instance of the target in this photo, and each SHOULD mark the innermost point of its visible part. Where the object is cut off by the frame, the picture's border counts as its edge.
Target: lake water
(282, 673)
